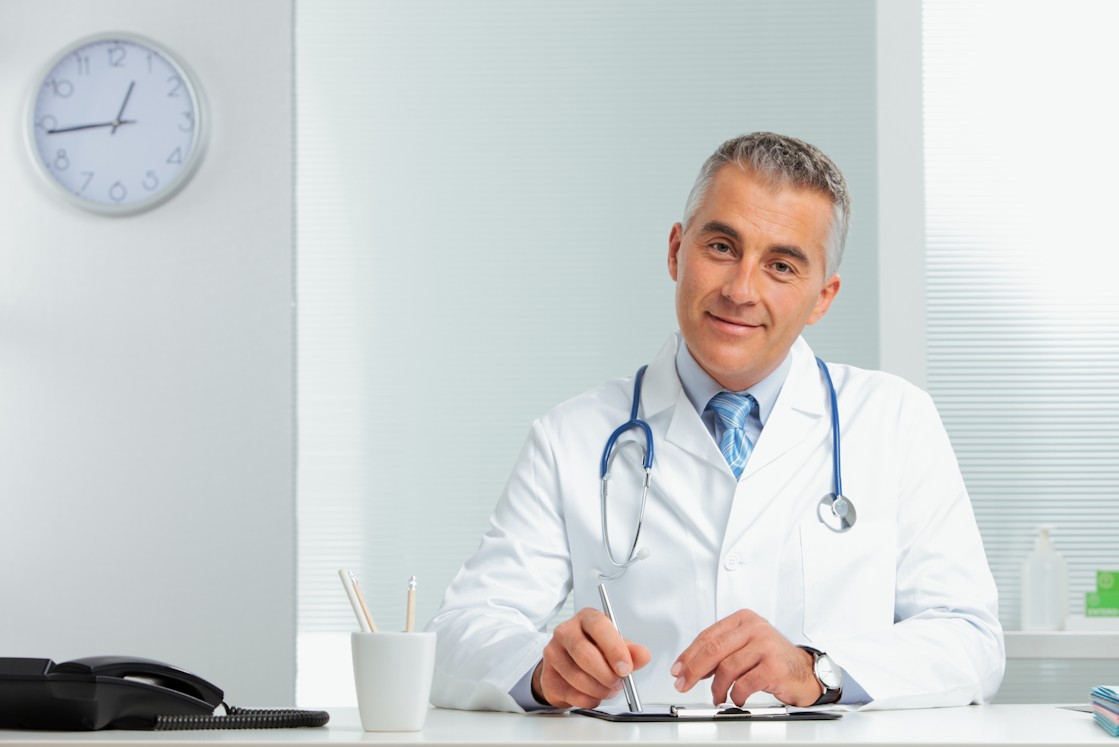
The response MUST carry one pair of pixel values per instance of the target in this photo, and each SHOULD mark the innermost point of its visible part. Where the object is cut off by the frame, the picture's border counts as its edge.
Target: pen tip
(412, 582)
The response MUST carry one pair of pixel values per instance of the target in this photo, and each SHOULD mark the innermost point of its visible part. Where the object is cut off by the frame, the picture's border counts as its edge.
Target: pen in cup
(410, 614)
(627, 682)
(357, 601)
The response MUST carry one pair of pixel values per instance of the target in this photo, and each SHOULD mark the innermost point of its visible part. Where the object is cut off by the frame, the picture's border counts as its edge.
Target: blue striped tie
(732, 410)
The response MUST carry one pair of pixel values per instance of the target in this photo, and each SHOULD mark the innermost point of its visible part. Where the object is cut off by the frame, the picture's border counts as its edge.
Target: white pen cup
(392, 674)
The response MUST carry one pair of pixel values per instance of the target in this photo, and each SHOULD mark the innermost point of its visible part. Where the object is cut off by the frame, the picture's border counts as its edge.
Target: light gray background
(146, 371)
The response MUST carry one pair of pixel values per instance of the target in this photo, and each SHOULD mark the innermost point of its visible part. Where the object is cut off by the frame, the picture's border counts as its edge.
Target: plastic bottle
(1044, 586)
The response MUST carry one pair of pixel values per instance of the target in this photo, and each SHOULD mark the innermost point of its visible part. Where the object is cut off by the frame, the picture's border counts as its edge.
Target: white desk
(1033, 725)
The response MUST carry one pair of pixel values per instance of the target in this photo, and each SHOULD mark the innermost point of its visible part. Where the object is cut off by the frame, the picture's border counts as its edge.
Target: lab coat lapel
(663, 391)
(797, 411)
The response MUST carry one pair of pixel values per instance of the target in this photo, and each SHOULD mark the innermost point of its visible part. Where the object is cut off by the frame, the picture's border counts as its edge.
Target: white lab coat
(904, 601)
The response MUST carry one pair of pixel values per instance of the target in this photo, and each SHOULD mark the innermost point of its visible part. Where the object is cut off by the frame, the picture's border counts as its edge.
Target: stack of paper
(1105, 708)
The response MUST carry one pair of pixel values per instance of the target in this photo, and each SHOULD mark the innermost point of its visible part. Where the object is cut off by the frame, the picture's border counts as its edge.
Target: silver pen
(628, 685)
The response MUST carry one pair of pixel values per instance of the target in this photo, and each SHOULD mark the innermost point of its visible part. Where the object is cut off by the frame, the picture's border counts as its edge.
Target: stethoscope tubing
(837, 479)
(845, 519)
(604, 472)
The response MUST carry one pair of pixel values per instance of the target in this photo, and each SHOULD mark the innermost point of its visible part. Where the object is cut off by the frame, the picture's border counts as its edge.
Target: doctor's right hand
(584, 662)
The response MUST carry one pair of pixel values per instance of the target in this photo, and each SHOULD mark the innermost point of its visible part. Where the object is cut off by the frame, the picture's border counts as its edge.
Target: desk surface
(1033, 725)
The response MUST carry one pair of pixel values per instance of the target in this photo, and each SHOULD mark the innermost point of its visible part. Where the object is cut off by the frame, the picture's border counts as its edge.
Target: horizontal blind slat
(1023, 326)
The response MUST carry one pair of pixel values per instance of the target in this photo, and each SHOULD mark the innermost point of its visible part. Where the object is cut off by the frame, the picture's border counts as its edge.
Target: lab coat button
(730, 562)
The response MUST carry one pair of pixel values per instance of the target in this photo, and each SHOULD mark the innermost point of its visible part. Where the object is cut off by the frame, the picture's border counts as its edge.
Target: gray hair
(784, 162)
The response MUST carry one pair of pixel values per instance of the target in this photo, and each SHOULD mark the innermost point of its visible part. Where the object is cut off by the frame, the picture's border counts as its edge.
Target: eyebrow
(793, 252)
(715, 226)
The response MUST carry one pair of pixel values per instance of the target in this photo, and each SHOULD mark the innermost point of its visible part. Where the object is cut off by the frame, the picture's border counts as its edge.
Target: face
(750, 275)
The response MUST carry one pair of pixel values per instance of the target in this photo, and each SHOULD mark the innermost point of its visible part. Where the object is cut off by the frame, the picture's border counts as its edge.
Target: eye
(720, 247)
(783, 267)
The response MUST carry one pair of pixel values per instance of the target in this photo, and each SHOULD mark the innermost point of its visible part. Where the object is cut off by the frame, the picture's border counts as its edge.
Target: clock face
(116, 124)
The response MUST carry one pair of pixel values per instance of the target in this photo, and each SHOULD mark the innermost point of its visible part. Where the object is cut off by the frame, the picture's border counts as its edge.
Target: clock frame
(116, 123)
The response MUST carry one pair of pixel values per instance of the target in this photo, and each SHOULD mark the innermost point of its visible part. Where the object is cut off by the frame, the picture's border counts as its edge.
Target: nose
(740, 284)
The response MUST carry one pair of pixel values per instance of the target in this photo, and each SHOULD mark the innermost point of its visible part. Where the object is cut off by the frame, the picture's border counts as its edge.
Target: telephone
(117, 692)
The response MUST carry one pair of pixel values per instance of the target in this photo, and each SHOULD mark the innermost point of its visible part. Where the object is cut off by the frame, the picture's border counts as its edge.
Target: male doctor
(746, 577)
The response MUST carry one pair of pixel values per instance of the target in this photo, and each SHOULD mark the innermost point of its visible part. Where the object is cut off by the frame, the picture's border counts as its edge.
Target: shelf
(1063, 644)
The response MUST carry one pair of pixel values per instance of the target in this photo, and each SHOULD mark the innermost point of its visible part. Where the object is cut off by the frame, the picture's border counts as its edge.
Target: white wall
(146, 371)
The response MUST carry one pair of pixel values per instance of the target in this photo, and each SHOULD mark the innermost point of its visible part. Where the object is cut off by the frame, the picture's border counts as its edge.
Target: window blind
(484, 196)
(1023, 318)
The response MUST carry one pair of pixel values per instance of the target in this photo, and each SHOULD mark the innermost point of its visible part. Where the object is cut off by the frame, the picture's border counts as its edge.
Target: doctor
(742, 578)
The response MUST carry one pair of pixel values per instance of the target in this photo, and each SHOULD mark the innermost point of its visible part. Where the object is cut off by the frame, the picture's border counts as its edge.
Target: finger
(579, 679)
(706, 652)
(582, 650)
(565, 685)
(733, 676)
(743, 688)
(609, 643)
(638, 654)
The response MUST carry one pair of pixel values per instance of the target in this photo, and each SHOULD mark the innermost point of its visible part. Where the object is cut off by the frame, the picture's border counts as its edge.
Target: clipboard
(684, 714)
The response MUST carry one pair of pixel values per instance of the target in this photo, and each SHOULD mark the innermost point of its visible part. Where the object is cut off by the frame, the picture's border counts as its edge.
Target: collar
(801, 402)
(700, 387)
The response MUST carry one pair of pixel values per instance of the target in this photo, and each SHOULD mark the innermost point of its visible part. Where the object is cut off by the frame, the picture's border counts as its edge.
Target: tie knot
(732, 409)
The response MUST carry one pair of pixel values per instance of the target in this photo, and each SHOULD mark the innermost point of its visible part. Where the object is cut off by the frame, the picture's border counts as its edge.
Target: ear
(675, 237)
(823, 303)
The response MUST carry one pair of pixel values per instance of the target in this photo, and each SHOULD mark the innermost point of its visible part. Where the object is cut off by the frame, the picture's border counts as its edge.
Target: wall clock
(116, 123)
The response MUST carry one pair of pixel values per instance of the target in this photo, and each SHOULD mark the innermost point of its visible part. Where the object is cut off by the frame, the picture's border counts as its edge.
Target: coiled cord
(244, 718)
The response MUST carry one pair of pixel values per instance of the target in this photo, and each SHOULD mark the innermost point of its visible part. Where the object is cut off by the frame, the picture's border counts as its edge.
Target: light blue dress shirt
(700, 388)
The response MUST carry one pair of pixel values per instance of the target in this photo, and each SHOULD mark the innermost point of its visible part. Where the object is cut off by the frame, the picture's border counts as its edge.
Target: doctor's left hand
(746, 654)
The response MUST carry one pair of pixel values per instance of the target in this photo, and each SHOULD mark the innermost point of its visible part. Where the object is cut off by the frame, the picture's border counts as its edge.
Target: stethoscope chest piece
(836, 512)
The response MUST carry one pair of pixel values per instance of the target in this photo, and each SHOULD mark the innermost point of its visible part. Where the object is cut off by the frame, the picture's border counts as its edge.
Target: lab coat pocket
(848, 578)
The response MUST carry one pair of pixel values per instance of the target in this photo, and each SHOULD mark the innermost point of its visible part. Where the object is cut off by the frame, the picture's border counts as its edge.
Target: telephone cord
(244, 718)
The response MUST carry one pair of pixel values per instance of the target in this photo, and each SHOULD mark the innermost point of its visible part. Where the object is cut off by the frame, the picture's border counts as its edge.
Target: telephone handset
(117, 692)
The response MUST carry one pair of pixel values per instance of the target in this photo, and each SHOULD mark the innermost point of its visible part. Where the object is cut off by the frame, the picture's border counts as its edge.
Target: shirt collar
(700, 387)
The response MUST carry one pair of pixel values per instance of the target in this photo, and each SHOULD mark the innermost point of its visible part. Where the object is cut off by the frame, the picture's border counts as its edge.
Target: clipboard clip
(726, 711)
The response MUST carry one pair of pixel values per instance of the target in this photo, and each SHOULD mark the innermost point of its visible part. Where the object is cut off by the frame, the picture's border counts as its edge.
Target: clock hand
(114, 125)
(117, 122)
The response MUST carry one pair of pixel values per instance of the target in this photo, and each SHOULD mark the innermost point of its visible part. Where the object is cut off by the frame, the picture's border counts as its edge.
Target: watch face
(827, 672)
(116, 124)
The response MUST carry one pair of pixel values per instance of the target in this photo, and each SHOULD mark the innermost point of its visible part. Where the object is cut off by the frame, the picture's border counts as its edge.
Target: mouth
(732, 325)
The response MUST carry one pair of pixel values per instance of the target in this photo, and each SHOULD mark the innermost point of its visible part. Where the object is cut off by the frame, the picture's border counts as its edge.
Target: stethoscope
(834, 510)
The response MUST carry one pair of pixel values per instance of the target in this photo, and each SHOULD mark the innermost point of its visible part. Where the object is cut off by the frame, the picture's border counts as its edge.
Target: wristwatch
(828, 674)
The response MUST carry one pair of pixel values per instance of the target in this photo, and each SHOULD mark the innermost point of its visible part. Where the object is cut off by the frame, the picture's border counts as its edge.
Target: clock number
(61, 88)
(117, 192)
(47, 122)
(83, 63)
(151, 181)
(61, 160)
(88, 178)
(176, 156)
(176, 86)
(189, 124)
(150, 55)
(116, 56)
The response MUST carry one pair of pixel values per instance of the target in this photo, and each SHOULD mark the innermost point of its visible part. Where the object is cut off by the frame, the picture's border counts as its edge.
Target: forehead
(759, 208)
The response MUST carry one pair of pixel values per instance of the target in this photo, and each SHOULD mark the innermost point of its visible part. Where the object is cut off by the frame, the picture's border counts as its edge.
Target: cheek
(685, 288)
(694, 283)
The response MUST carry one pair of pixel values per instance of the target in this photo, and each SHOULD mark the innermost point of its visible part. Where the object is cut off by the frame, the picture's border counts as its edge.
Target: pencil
(410, 615)
(361, 601)
(364, 618)
(351, 593)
